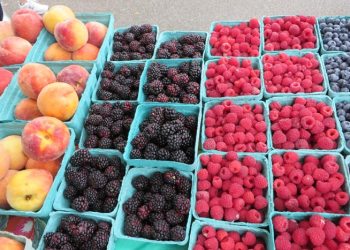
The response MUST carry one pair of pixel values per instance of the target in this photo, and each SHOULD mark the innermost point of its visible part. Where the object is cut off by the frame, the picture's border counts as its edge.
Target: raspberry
(283, 192)
(342, 198)
(226, 200)
(249, 239)
(211, 243)
(344, 223)
(280, 223)
(317, 221)
(209, 144)
(260, 181)
(202, 174)
(278, 137)
(282, 243)
(227, 243)
(217, 212)
(326, 143)
(329, 230)
(299, 237)
(208, 232)
(254, 216)
(202, 207)
(316, 235)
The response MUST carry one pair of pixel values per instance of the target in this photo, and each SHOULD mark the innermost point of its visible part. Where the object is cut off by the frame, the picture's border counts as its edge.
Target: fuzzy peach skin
(27, 110)
(97, 32)
(28, 189)
(5, 79)
(5, 162)
(51, 166)
(3, 185)
(55, 15)
(13, 146)
(74, 75)
(10, 244)
(58, 100)
(33, 77)
(55, 53)
(27, 24)
(6, 30)
(13, 50)
(71, 34)
(88, 52)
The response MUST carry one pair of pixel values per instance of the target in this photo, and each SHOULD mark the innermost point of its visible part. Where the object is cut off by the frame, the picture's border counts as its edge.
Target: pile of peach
(49, 95)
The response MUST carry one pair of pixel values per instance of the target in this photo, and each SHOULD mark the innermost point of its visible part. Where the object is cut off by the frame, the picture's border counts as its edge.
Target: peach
(13, 50)
(33, 77)
(76, 76)
(6, 30)
(27, 24)
(45, 138)
(97, 32)
(58, 100)
(27, 110)
(51, 166)
(28, 189)
(55, 53)
(71, 34)
(13, 146)
(10, 244)
(55, 15)
(87, 53)
(5, 162)
(3, 185)
(5, 79)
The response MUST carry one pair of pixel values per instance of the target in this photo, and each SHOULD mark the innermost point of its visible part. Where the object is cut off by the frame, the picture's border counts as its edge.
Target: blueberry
(347, 135)
(346, 126)
(348, 143)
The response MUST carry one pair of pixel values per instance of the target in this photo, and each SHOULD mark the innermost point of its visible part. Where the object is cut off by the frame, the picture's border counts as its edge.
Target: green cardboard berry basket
(256, 63)
(55, 220)
(15, 128)
(297, 53)
(265, 171)
(336, 100)
(289, 101)
(14, 95)
(63, 204)
(128, 191)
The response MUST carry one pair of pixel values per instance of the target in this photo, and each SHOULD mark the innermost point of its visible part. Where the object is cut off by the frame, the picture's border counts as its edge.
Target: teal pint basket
(211, 104)
(142, 113)
(63, 204)
(314, 50)
(261, 233)
(302, 154)
(336, 100)
(256, 63)
(170, 63)
(265, 171)
(117, 66)
(45, 39)
(166, 36)
(128, 191)
(155, 29)
(14, 96)
(233, 23)
(297, 53)
(289, 100)
(15, 128)
(55, 220)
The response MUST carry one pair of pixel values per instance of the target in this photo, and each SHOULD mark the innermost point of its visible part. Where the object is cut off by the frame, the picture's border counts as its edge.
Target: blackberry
(190, 99)
(109, 66)
(153, 217)
(107, 122)
(120, 146)
(147, 232)
(182, 204)
(127, 123)
(68, 246)
(163, 53)
(80, 158)
(148, 196)
(112, 188)
(106, 109)
(171, 177)
(162, 98)
(117, 114)
(168, 206)
(186, 138)
(184, 185)
(105, 226)
(179, 156)
(97, 179)
(168, 192)
(157, 203)
(105, 143)
(193, 88)
(150, 48)
(132, 226)
(190, 154)
(150, 152)
(181, 79)
(171, 46)
(154, 88)
(58, 239)
(136, 154)
(83, 231)
(91, 195)
(97, 206)
(174, 142)
(100, 162)
(162, 230)
(185, 67)
(100, 239)
(106, 84)
(151, 131)
(111, 173)
(70, 192)
(174, 218)
(139, 195)
(109, 204)
(91, 141)
(136, 30)
(81, 204)
(153, 72)
(140, 183)
(188, 50)
(173, 90)
(90, 129)
(78, 180)
(163, 154)
(177, 233)
(191, 122)
(69, 220)
(146, 28)
(139, 142)
(131, 206)
(195, 71)
(143, 212)
(47, 238)
(107, 74)
(94, 120)
(104, 95)
(156, 115)
(148, 38)
(156, 181)
(170, 128)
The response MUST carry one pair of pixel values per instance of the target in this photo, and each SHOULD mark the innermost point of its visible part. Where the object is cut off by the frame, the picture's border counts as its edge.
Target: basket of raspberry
(309, 231)
(342, 107)
(171, 81)
(57, 89)
(304, 182)
(164, 135)
(155, 206)
(136, 42)
(235, 38)
(333, 33)
(92, 183)
(293, 74)
(207, 236)
(304, 123)
(78, 231)
(107, 125)
(232, 189)
(181, 44)
(239, 126)
(119, 81)
(290, 33)
(337, 73)
(236, 77)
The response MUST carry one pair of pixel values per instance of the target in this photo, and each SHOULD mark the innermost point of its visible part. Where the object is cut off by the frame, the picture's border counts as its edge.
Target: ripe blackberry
(109, 66)
(103, 225)
(146, 28)
(188, 50)
(107, 122)
(109, 204)
(162, 98)
(80, 158)
(83, 231)
(69, 220)
(132, 226)
(58, 239)
(131, 205)
(81, 204)
(140, 183)
(120, 146)
(47, 238)
(91, 141)
(179, 156)
(191, 122)
(193, 88)
(174, 142)
(97, 180)
(168, 192)
(172, 72)
(157, 203)
(171, 46)
(163, 154)
(139, 195)
(195, 71)
(139, 142)
(94, 120)
(190, 99)
(177, 233)
(111, 173)
(143, 212)
(100, 240)
(68, 246)
(186, 137)
(150, 152)
(156, 181)
(117, 114)
(107, 74)
(162, 230)
(181, 79)
(154, 88)
(90, 129)
(160, 140)
(151, 130)
(185, 67)
(70, 192)
(171, 176)
(182, 204)
(100, 162)
(136, 154)
(174, 218)
(170, 128)
(136, 30)
(184, 185)
(97, 206)
(156, 115)
(148, 38)
(112, 188)
(127, 123)
(78, 179)
(104, 95)
(105, 143)
(91, 195)
(173, 90)
(147, 232)
(163, 53)
(150, 48)
(153, 72)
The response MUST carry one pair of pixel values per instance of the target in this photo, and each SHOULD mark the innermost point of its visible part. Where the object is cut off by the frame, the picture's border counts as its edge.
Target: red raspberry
(202, 174)
(254, 216)
(292, 205)
(248, 197)
(331, 167)
(260, 181)
(225, 173)
(282, 243)
(316, 235)
(330, 230)
(213, 168)
(317, 221)
(198, 247)
(204, 160)
(226, 200)
(216, 158)
(280, 223)
(203, 185)
(283, 192)
(231, 214)
(260, 202)
(227, 243)
(320, 174)
(341, 236)
(217, 212)
(236, 190)
(299, 237)
(211, 243)
(202, 207)
(217, 182)
(304, 202)
(344, 223)
(249, 239)
(208, 232)
(279, 137)
(342, 198)
(202, 195)
(209, 144)
(326, 143)
(235, 166)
